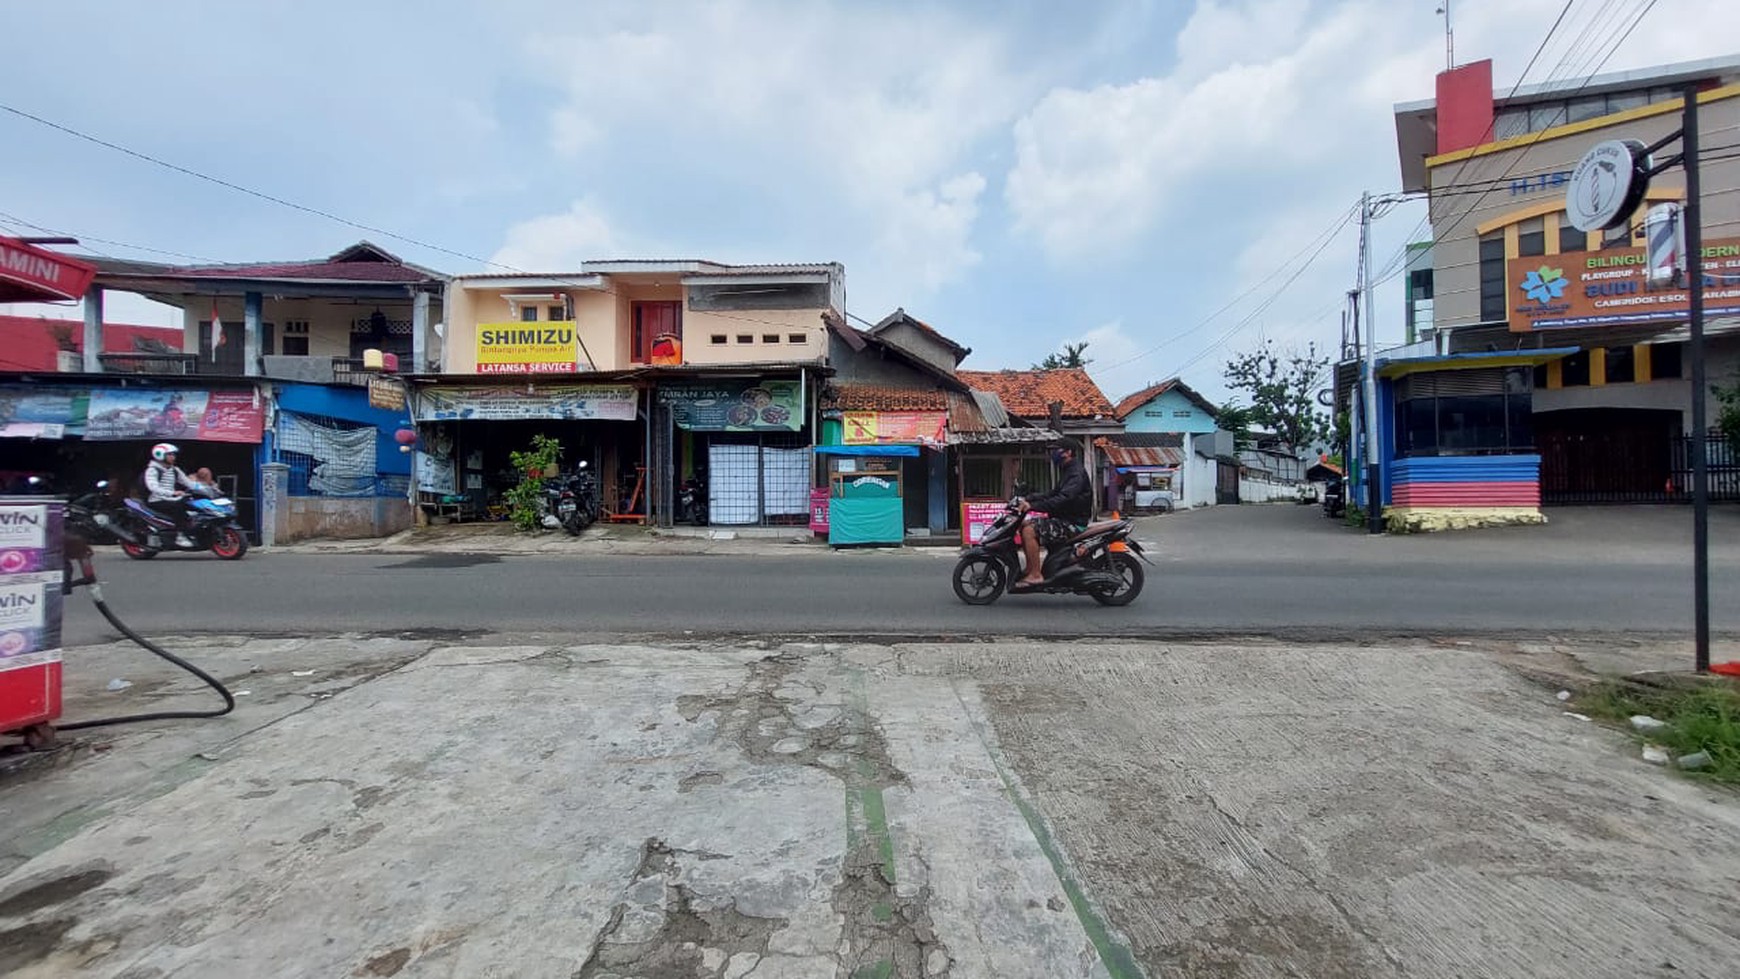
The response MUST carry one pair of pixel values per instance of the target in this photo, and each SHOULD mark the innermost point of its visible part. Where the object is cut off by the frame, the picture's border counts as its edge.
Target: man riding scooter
(164, 486)
(1068, 508)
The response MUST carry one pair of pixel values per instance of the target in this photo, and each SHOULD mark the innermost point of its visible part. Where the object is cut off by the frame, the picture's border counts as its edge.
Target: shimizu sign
(1612, 287)
(527, 348)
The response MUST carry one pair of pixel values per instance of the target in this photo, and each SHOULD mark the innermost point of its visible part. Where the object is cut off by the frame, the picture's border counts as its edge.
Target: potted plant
(67, 358)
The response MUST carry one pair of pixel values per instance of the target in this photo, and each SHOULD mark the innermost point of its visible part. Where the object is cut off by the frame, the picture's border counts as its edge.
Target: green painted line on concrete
(881, 970)
(1119, 961)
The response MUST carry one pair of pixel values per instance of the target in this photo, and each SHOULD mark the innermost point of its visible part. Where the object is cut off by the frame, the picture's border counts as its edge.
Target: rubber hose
(168, 715)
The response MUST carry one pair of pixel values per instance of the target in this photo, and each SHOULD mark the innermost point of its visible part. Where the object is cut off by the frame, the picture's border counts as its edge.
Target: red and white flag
(217, 330)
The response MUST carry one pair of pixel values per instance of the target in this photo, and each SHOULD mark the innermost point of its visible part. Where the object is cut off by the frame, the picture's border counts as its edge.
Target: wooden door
(652, 319)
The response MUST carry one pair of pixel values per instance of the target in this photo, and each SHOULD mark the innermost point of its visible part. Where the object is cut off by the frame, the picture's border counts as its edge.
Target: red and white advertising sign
(32, 274)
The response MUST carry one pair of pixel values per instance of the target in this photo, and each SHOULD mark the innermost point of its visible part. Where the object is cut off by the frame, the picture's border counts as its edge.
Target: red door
(652, 319)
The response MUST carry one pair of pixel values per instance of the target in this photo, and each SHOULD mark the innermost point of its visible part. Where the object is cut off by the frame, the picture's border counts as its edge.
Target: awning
(1151, 457)
(867, 450)
(1147, 469)
(1472, 361)
(29, 274)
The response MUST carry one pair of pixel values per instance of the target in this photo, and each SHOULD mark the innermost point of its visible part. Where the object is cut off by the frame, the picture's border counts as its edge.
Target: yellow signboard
(527, 348)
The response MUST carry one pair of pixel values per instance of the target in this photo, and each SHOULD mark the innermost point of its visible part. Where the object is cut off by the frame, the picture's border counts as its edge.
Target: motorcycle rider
(1068, 508)
(165, 484)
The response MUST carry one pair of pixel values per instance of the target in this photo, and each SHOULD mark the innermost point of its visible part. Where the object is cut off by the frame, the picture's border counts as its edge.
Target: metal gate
(1621, 467)
(1226, 482)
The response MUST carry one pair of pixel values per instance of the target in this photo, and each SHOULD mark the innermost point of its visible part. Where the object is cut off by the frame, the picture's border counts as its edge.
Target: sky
(1170, 182)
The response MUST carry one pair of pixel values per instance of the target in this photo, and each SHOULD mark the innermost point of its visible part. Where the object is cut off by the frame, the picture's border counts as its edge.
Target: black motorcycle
(692, 500)
(570, 501)
(98, 517)
(210, 525)
(1100, 562)
(1334, 497)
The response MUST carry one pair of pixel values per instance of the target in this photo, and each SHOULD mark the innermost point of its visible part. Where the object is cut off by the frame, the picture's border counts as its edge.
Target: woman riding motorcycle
(164, 487)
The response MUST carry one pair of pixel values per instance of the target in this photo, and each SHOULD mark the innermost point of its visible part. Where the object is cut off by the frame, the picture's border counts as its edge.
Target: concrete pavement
(551, 807)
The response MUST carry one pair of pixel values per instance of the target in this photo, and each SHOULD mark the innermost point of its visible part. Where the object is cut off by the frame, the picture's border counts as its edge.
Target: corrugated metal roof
(1004, 436)
(1120, 455)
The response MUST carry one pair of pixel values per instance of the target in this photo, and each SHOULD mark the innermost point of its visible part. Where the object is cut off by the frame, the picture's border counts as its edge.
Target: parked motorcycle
(1334, 498)
(570, 501)
(96, 516)
(692, 500)
(1100, 562)
(211, 526)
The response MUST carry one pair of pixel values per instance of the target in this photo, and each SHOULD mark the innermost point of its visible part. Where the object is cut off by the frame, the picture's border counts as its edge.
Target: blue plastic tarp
(867, 450)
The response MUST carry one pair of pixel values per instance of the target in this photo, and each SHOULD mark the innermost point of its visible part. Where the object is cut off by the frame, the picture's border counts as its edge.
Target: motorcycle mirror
(34, 480)
(102, 484)
(1020, 489)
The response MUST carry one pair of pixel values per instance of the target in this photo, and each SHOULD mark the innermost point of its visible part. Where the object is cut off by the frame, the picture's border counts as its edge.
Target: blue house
(1170, 406)
(1168, 455)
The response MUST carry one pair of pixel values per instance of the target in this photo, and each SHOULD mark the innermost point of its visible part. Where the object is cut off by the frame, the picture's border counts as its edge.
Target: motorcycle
(692, 500)
(1100, 562)
(570, 501)
(211, 526)
(96, 516)
(1334, 498)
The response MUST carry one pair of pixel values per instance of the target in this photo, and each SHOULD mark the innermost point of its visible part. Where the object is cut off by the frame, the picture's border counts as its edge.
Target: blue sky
(1018, 174)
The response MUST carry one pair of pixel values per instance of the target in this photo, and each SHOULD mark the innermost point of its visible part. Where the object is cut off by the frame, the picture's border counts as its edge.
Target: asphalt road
(1270, 570)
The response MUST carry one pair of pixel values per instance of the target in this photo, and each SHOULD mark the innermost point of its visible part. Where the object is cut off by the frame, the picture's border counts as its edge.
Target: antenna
(1449, 38)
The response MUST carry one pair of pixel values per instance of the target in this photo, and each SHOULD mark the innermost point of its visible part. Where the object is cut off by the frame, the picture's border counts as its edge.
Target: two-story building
(267, 369)
(1550, 369)
(652, 372)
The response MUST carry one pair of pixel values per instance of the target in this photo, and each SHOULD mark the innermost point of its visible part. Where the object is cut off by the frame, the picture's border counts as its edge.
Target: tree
(1283, 386)
(1237, 420)
(1070, 357)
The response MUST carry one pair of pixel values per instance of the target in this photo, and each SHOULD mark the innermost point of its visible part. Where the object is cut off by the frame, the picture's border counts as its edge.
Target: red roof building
(30, 343)
(1029, 394)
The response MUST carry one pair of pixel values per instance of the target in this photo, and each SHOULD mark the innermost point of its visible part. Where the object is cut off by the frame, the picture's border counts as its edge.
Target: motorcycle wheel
(229, 544)
(138, 552)
(980, 579)
(700, 516)
(575, 523)
(1130, 570)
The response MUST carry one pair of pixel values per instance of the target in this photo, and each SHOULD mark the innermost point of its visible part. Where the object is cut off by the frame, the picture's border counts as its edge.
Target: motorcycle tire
(138, 552)
(987, 576)
(229, 544)
(574, 524)
(1131, 570)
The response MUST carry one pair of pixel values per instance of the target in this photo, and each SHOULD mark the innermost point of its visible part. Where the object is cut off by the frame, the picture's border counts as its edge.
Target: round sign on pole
(1607, 185)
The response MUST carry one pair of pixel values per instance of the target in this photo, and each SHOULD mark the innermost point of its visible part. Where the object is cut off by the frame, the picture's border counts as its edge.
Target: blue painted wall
(1170, 412)
(351, 404)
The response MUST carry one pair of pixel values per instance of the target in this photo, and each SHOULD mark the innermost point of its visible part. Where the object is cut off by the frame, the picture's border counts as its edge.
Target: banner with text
(1612, 287)
(118, 414)
(607, 402)
(735, 406)
(528, 348)
(894, 427)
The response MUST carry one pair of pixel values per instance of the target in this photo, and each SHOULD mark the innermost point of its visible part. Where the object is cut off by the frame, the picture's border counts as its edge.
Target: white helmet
(163, 450)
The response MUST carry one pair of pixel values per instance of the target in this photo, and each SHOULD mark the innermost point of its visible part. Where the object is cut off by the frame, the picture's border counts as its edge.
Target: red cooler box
(31, 570)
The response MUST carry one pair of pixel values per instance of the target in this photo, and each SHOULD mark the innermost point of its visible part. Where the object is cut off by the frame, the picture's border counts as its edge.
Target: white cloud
(559, 242)
(874, 115)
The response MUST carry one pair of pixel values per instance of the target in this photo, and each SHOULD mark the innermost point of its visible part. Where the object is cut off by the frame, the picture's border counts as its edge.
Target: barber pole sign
(1665, 231)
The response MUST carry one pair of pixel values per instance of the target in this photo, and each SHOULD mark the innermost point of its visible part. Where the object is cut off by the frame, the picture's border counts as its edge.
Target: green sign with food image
(735, 406)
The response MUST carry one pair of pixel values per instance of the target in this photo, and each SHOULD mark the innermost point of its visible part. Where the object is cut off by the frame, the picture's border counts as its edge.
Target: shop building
(1547, 370)
(654, 372)
(250, 333)
(1065, 400)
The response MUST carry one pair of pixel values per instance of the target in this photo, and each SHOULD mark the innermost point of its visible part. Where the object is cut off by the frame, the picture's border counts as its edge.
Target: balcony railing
(149, 363)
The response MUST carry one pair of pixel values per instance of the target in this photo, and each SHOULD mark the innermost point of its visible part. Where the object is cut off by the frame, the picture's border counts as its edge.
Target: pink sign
(819, 510)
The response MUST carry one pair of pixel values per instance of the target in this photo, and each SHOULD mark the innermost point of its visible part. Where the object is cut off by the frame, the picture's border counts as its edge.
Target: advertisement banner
(42, 412)
(1612, 287)
(118, 414)
(32, 274)
(977, 516)
(527, 348)
(387, 394)
(609, 402)
(735, 406)
(885, 427)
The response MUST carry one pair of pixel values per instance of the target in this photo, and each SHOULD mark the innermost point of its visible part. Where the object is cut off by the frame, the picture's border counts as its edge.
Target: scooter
(211, 526)
(96, 516)
(692, 500)
(571, 501)
(1100, 562)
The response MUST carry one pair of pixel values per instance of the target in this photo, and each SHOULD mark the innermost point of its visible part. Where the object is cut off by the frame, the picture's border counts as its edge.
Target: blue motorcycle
(211, 526)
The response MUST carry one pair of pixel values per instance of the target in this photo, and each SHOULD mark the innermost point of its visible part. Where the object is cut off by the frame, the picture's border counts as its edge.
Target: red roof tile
(1028, 393)
(880, 397)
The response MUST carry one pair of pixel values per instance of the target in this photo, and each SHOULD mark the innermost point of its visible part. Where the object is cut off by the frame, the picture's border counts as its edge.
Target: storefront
(746, 440)
(345, 474)
(79, 433)
(466, 433)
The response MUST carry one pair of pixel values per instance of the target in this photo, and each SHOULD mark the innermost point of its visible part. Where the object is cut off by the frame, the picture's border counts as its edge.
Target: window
(796, 338)
(1183, 413)
(1036, 474)
(1546, 116)
(982, 477)
(558, 314)
(1575, 372)
(1511, 122)
(1571, 239)
(770, 338)
(1589, 108)
(528, 314)
(1621, 101)
(295, 338)
(1473, 412)
(1621, 365)
(1665, 361)
(1492, 291)
(1532, 242)
(716, 339)
(1420, 284)
(745, 338)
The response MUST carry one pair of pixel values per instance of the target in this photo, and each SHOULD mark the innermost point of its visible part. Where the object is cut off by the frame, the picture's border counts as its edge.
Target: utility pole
(1700, 387)
(1374, 496)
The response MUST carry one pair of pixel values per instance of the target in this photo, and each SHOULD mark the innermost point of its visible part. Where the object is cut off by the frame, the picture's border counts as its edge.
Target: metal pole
(1700, 461)
(1374, 516)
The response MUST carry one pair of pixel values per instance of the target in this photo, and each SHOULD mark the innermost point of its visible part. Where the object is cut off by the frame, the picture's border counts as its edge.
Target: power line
(103, 241)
